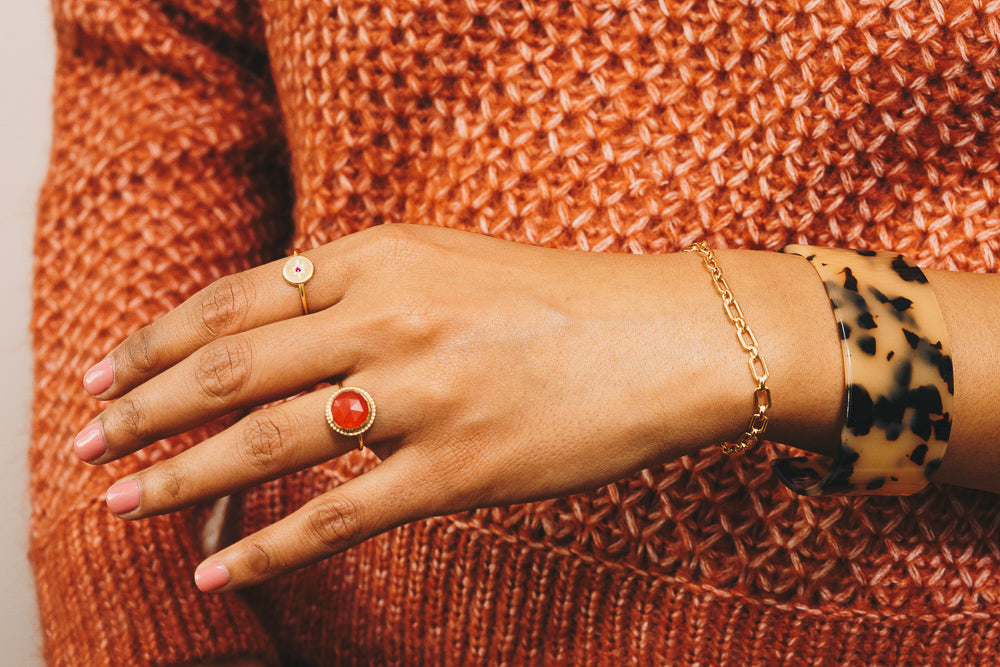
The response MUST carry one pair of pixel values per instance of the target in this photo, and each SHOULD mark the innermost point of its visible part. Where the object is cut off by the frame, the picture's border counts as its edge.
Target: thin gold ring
(350, 411)
(298, 270)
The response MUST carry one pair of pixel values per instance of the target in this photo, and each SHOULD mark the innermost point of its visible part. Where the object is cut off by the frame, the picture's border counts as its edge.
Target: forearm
(787, 307)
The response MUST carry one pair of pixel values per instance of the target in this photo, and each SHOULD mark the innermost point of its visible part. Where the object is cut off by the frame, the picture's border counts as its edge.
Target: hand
(501, 373)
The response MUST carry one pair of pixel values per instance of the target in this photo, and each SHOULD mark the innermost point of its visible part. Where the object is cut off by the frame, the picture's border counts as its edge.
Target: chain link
(758, 368)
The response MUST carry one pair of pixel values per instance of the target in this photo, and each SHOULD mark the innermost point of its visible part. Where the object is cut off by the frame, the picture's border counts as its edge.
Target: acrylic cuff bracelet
(898, 383)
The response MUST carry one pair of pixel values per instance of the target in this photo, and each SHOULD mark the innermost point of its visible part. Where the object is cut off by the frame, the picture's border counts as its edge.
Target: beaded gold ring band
(298, 270)
(898, 383)
(758, 368)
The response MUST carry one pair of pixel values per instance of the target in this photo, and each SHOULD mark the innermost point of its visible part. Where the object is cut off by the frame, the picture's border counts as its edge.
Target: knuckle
(170, 482)
(388, 233)
(225, 304)
(265, 439)
(439, 392)
(411, 316)
(390, 246)
(223, 369)
(129, 418)
(335, 523)
(260, 559)
(140, 351)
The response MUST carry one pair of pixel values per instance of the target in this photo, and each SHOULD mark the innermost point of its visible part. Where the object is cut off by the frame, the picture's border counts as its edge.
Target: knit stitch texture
(196, 138)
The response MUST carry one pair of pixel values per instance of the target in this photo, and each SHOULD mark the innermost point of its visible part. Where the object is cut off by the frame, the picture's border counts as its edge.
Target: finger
(232, 304)
(238, 371)
(262, 446)
(393, 493)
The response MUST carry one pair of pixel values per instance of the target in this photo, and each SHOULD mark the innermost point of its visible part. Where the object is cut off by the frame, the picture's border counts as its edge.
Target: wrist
(786, 306)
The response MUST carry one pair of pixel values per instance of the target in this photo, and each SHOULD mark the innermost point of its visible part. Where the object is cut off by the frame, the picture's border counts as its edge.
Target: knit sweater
(196, 138)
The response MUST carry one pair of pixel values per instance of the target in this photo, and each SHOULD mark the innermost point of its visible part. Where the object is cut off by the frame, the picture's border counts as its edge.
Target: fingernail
(89, 443)
(100, 377)
(123, 497)
(210, 576)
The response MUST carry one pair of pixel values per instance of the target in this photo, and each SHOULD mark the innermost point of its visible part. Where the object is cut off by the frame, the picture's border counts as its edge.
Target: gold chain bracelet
(761, 395)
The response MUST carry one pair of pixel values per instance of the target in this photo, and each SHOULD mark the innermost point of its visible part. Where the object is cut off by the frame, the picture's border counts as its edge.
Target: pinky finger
(381, 499)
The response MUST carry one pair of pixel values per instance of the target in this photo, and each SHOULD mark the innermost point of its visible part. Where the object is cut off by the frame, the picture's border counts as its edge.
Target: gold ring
(297, 271)
(350, 411)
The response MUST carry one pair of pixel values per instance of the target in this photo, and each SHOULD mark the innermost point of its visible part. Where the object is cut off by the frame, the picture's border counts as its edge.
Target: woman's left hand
(501, 373)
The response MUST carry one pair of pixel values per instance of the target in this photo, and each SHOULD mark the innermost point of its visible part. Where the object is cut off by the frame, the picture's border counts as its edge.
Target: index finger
(232, 304)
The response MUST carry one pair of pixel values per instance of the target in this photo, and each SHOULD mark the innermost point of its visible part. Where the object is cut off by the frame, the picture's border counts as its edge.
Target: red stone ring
(351, 411)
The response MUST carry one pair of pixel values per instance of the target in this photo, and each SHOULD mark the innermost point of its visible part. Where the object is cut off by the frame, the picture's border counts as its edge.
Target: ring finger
(264, 445)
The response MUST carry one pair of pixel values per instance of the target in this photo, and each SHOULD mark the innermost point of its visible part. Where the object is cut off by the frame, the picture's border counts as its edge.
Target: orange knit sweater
(195, 138)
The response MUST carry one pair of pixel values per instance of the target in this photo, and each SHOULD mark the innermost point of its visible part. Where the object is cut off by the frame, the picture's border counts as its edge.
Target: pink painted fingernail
(89, 443)
(123, 497)
(100, 377)
(210, 576)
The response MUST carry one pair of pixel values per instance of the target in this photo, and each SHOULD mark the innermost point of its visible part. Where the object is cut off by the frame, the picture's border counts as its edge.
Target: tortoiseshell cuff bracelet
(898, 383)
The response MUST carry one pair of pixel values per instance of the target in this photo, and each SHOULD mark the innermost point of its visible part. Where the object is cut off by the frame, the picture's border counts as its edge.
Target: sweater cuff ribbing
(108, 595)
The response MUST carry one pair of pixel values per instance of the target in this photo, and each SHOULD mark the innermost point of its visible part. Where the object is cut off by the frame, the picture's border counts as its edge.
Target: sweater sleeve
(168, 170)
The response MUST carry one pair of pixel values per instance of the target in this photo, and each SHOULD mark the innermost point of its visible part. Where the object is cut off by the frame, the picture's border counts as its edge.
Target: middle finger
(237, 371)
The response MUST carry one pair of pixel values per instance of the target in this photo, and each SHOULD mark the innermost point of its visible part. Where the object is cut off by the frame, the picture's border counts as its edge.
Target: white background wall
(27, 54)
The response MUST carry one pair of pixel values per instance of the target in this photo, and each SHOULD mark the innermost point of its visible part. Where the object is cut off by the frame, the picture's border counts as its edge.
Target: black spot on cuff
(888, 411)
(867, 345)
(860, 410)
(850, 282)
(926, 399)
(901, 303)
(876, 483)
(942, 428)
(866, 321)
(882, 298)
(903, 374)
(911, 274)
(943, 363)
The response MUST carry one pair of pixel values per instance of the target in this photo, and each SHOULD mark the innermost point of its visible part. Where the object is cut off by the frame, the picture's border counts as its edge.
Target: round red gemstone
(349, 410)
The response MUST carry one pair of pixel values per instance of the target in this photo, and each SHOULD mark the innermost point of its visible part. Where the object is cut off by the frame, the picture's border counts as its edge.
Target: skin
(502, 373)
